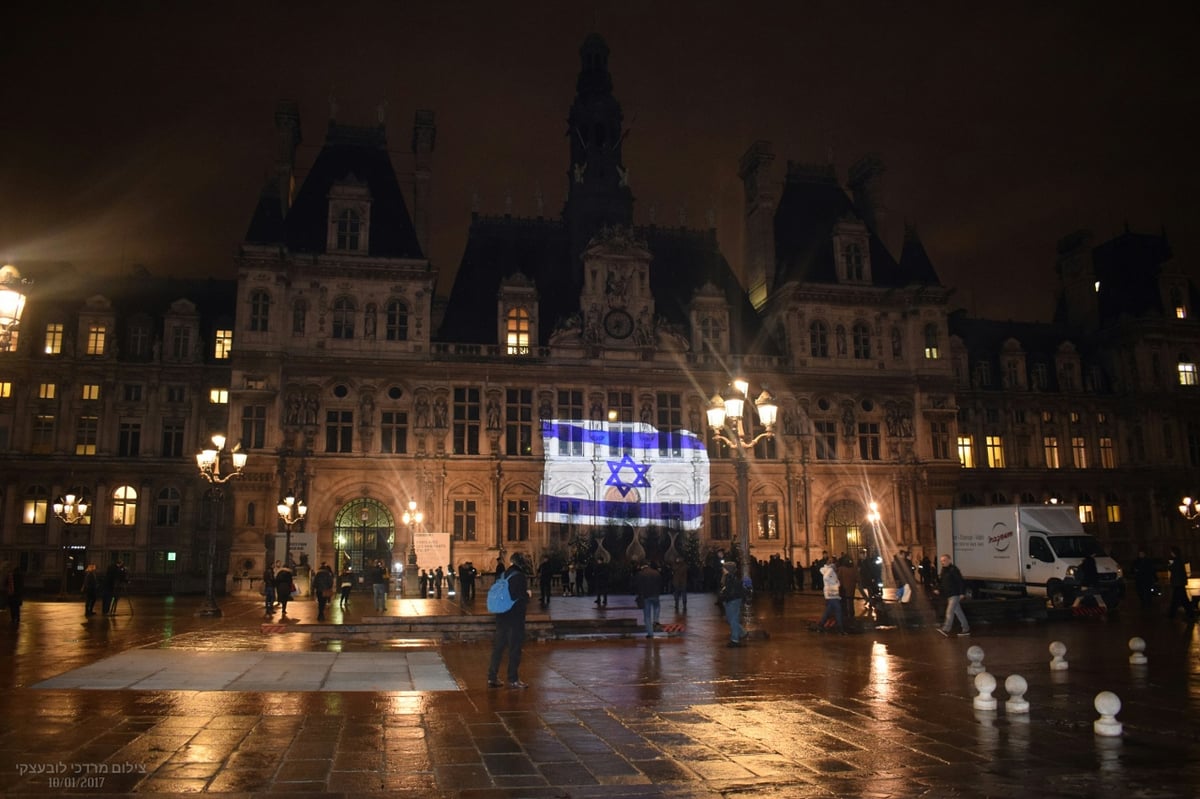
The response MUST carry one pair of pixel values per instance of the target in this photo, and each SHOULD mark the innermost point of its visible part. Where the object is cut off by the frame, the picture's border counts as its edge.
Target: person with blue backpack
(508, 598)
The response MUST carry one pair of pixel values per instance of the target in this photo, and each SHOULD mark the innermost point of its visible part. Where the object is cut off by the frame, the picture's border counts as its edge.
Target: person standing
(545, 578)
(572, 576)
(649, 588)
(1144, 579)
(510, 627)
(438, 576)
(831, 589)
(1177, 571)
(91, 589)
(679, 584)
(114, 575)
(600, 578)
(952, 588)
(284, 586)
(269, 587)
(731, 594)
(848, 585)
(1089, 582)
(377, 577)
(466, 576)
(322, 586)
(345, 586)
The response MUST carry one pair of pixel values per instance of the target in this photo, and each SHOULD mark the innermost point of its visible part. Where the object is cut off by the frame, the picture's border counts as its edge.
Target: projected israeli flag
(601, 473)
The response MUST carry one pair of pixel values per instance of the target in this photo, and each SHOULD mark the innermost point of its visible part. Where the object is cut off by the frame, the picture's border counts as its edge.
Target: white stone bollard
(1058, 660)
(1016, 687)
(975, 658)
(985, 684)
(1138, 647)
(1108, 705)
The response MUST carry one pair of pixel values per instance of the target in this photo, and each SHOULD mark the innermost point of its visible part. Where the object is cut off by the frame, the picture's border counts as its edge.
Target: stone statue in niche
(441, 413)
(493, 414)
(421, 411)
(295, 408)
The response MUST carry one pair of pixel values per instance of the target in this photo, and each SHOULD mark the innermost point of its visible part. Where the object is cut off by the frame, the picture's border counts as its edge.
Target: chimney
(424, 135)
(759, 237)
(866, 189)
(287, 125)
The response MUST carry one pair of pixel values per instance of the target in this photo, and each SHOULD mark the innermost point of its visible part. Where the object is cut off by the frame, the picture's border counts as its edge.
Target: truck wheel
(1056, 594)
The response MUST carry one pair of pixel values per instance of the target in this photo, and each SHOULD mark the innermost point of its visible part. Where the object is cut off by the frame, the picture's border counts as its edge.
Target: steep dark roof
(1128, 268)
(499, 247)
(811, 205)
(350, 154)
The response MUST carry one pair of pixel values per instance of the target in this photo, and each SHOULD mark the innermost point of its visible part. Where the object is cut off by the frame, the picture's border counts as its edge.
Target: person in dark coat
(284, 586)
(322, 586)
(14, 591)
(91, 589)
(510, 627)
(1145, 578)
(269, 587)
(600, 579)
(1179, 577)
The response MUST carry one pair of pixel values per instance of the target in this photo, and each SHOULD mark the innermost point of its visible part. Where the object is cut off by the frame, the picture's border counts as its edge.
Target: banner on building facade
(433, 550)
(304, 548)
(600, 473)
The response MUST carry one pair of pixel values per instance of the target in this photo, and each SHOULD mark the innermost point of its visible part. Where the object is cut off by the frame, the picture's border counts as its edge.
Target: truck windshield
(1074, 546)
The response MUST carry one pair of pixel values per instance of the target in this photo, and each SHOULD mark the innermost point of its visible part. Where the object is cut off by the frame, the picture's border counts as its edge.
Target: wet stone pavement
(156, 701)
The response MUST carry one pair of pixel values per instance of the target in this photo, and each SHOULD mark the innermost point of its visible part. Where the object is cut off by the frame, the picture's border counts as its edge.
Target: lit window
(1108, 457)
(1180, 312)
(37, 502)
(11, 344)
(224, 343)
(1087, 514)
(995, 451)
(1187, 373)
(54, 339)
(47, 391)
(86, 434)
(97, 337)
(5, 390)
(90, 391)
(124, 506)
(1050, 447)
(218, 396)
(1113, 512)
(1079, 452)
(966, 453)
(517, 331)
(931, 342)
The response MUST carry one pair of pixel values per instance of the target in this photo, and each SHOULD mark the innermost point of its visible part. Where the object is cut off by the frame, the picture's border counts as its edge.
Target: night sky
(141, 133)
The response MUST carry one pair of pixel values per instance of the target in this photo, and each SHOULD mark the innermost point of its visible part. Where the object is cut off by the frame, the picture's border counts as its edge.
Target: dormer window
(349, 217)
(348, 230)
(516, 335)
(97, 337)
(854, 262)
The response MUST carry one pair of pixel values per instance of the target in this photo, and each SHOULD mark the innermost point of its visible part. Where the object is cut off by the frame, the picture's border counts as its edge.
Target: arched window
(931, 342)
(397, 321)
(260, 311)
(166, 508)
(845, 530)
(516, 331)
(818, 340)
(37, 503)
(343, 318)
(124, 506)
(862, 341)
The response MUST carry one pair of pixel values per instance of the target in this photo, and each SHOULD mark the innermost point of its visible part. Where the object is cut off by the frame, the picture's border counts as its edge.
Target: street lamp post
(412, 517)
(209, 463)
(1189, 509)
(728, 422)
(12, 303)
(291, 512)
(70, 510)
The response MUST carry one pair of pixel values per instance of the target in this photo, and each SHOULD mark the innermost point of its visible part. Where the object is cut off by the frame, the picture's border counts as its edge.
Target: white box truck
(1024, 550)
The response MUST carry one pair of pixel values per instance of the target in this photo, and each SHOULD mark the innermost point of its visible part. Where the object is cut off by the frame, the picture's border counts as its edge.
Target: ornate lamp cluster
(1189, 509)
(209, 463)
(726, 414)
(71, 509)
(12, 303)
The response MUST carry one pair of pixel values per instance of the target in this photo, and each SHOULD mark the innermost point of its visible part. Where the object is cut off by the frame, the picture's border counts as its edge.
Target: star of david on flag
(599, 473)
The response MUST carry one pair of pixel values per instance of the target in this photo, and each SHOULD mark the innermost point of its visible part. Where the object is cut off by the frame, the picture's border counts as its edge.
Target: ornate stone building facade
(350, 385)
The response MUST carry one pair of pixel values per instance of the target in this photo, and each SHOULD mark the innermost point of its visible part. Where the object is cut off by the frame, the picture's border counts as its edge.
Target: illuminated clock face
(618, 324)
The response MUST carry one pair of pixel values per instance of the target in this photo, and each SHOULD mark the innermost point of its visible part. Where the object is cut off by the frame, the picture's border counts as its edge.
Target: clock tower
(618, 308)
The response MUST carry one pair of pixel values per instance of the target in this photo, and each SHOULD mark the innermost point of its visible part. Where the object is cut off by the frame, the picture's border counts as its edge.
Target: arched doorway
(364, 531)
(844, 533)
